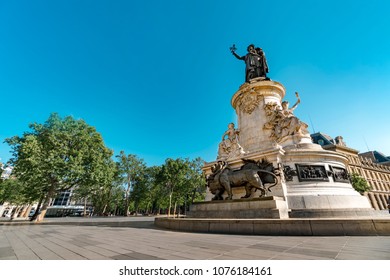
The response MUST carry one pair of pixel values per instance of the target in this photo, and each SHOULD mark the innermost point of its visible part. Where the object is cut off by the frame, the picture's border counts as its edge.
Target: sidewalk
(137, 238)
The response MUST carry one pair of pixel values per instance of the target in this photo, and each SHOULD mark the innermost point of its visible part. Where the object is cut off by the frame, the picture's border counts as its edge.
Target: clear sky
(156, 77)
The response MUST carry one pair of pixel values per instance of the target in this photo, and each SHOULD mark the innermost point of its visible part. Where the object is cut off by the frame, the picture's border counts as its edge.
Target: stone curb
(283, 227)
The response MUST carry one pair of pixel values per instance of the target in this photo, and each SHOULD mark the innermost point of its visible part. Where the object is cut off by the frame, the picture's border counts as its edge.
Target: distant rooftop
(324, 140)
(375, 156)
(321, 139)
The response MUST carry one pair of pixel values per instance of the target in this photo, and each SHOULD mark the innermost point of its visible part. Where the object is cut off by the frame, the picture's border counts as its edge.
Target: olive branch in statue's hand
(233, 48)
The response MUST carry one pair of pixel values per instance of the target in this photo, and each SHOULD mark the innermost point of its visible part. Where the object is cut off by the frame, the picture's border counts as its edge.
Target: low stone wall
(297, 227)
(271, 207)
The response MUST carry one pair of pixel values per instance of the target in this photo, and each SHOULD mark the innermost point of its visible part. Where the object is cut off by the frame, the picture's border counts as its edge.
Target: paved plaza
(137, 238)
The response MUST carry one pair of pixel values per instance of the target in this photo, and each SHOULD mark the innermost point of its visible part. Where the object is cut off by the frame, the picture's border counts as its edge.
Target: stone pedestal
(268, 207)
(249, 103)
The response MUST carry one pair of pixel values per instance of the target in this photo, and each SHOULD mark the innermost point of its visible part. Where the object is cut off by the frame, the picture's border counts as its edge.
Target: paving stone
(69, 239)
(6, 252)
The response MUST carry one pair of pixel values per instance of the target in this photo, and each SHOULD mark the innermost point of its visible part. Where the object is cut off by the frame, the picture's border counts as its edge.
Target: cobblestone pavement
(136, 238)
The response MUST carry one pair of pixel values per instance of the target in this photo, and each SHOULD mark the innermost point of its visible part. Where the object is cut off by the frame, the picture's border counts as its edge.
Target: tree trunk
(45, 205)
(85, 208)
(34, 217)
(170, 204)
(127, 199)
(104, 209)
(174, 209)
(15, 214)
(23, 211)
(107, 201)
(27, 213)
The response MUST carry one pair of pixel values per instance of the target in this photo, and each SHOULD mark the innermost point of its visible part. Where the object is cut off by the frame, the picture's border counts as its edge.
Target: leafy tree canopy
(58, 155)
(359, 183)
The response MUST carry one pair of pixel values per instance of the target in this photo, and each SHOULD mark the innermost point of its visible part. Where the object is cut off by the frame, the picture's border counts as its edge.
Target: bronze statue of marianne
(255, 61)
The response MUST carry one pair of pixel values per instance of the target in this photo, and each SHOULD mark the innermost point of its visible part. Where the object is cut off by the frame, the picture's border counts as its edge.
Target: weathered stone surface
(268, 207)
(292, 227)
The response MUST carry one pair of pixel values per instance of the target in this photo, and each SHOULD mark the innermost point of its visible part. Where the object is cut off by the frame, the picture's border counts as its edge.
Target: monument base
(287, 227)
(356, 213)
(271, 207)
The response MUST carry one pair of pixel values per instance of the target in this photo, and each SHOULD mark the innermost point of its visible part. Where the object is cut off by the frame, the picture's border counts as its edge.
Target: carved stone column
(249, 102)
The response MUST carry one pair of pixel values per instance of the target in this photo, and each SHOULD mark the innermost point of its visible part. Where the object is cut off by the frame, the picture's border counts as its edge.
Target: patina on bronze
(255, 61)
(252, 175)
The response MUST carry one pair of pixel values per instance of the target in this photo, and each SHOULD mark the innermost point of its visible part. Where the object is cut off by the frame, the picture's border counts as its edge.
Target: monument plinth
(249, 102)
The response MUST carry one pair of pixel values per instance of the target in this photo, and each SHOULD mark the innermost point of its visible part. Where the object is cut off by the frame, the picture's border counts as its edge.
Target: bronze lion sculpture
(252, 175)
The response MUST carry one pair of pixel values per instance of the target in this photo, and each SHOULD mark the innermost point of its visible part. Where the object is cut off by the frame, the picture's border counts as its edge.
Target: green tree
(131, 171)
(61, 154)
(359, 183)
(181, 181)
(99, 189)
(156, 199)
(11, 191)
(172, 178)
(197, 181)
(115, 203)
(139, 195)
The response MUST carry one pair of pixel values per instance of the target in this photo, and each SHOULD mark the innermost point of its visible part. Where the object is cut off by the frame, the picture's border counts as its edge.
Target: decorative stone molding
(263, 88)
(289, 173)
(339, 174)
(249, 103)
(312, 173)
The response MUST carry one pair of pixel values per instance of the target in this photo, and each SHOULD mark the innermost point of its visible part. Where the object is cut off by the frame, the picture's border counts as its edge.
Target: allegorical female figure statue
(282, 121)
(288, 123)
(229, 146)
(262, 69)
(255, 62)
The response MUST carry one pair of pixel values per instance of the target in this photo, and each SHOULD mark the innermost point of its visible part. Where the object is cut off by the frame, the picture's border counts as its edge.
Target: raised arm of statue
(237, 56)
(296, 103)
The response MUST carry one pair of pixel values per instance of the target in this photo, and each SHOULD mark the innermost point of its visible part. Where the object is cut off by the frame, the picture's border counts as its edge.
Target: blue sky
(156, 77)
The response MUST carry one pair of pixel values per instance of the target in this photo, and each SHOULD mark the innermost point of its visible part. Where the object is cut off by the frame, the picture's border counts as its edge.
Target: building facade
(5, 171)
(373, 166)
(62, 205)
